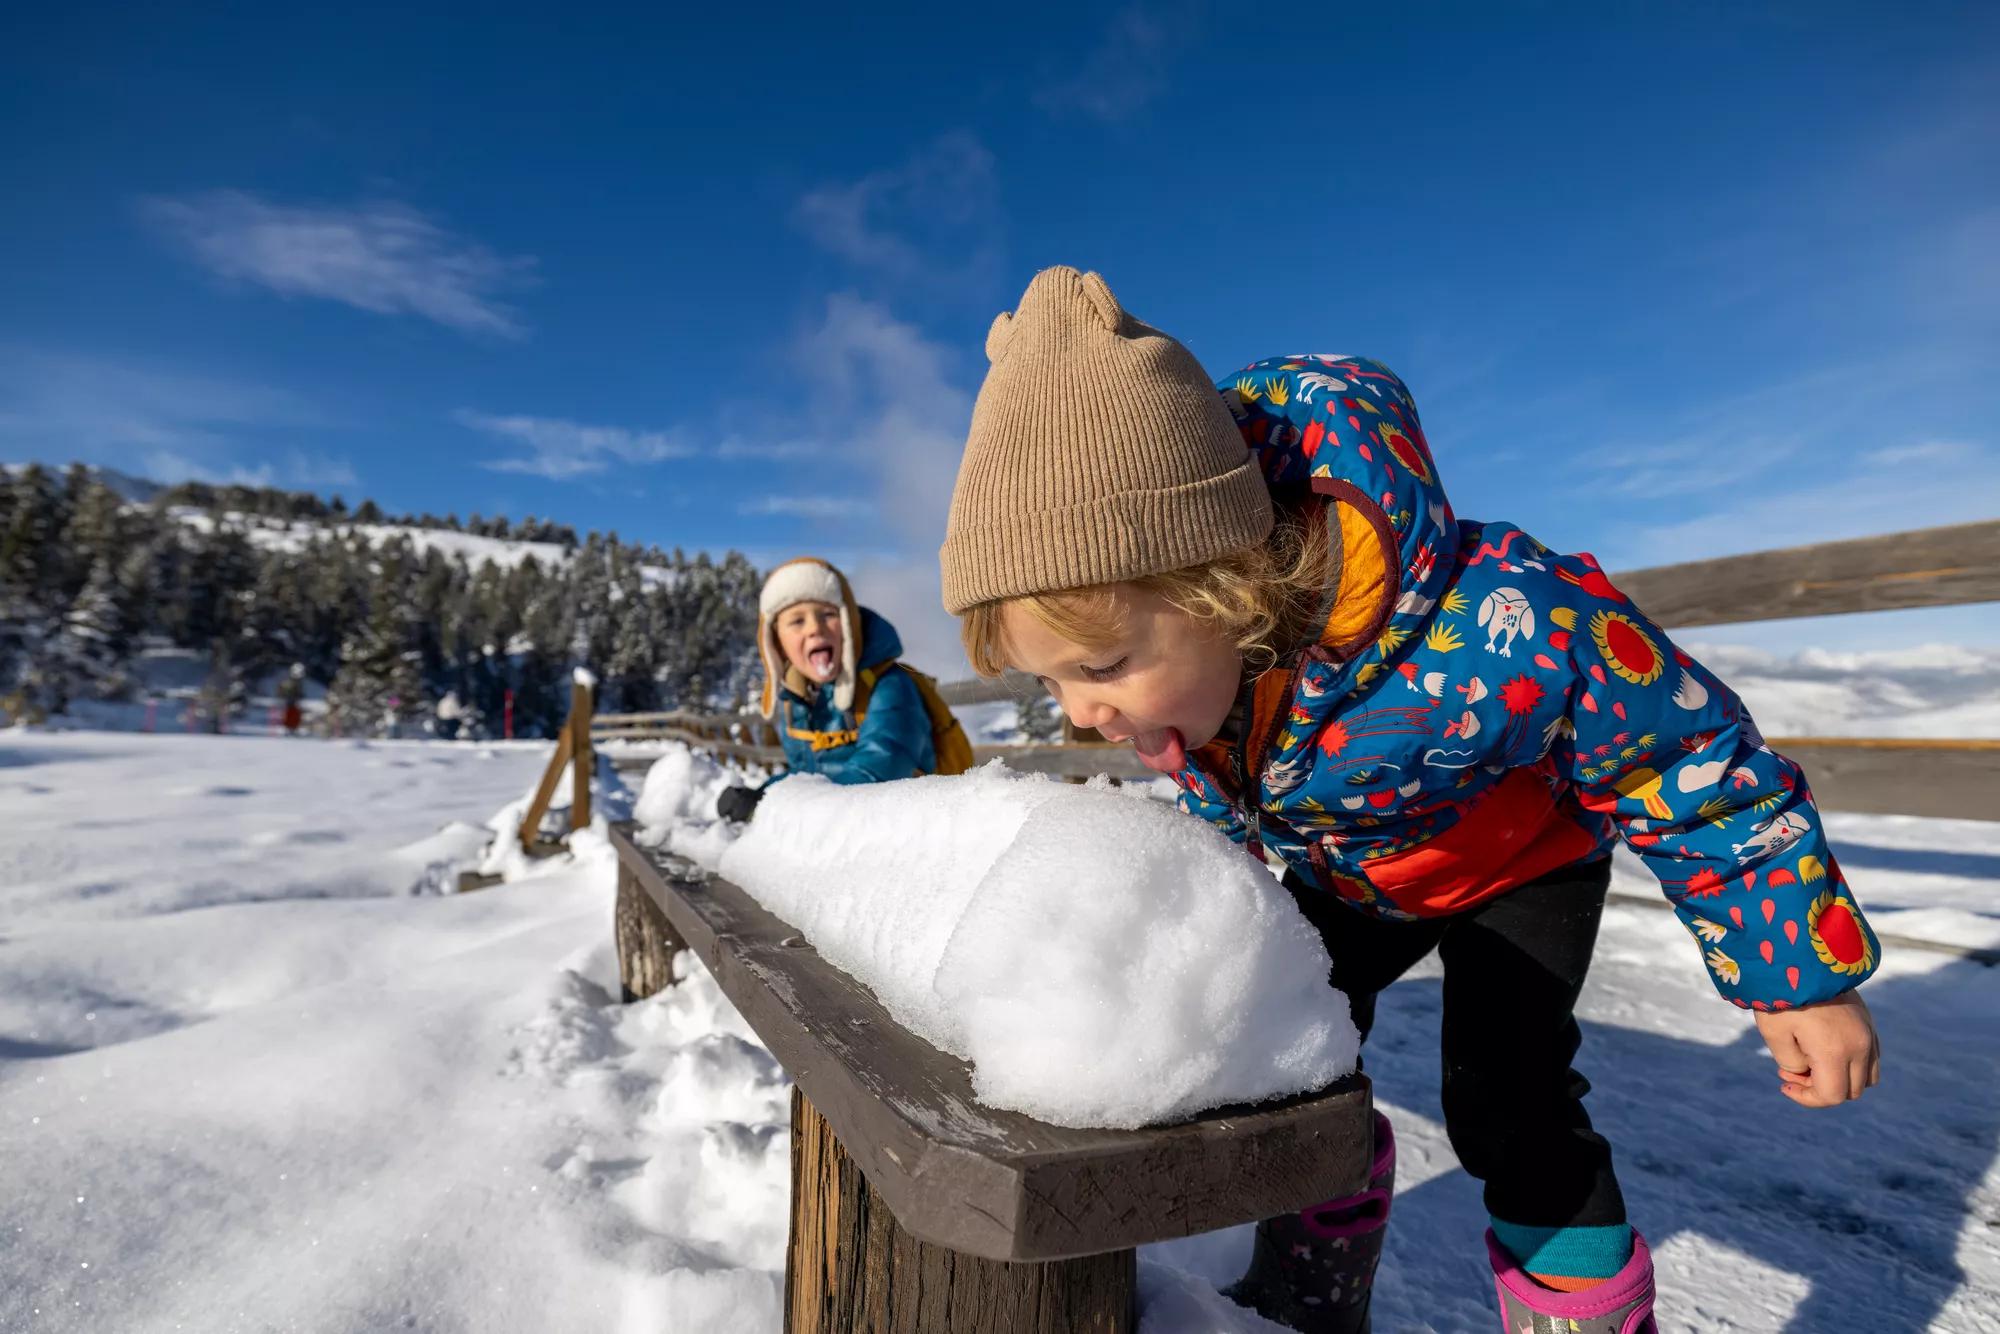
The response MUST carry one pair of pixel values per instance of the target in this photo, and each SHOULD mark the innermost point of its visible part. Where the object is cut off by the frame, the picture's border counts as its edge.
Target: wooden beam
(1931, 567)
(583, 764)
(646, 943)
(991, 690)
(960, 1174)
(1952, 780)
(545, 791)
(1079, 761)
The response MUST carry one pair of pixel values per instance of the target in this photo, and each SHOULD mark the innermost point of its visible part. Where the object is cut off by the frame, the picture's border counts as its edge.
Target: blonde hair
(1263, 598)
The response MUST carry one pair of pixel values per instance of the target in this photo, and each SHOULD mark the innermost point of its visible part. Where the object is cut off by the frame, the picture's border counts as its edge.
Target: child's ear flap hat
(807, 579)
(1099, 452)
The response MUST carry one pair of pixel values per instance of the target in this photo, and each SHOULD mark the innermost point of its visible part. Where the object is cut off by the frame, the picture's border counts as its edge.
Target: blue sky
(1667, 281)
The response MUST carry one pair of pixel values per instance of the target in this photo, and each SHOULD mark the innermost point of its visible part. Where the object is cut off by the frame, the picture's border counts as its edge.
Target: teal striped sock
(1567, 1252)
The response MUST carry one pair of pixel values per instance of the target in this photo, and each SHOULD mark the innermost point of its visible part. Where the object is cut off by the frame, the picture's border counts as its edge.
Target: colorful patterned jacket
(892, 740)
(1480, 710)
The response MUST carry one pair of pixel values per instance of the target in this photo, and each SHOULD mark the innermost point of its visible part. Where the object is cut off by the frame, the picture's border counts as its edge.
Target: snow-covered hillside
(268, 534)
(1934, 690)
(249, 1081)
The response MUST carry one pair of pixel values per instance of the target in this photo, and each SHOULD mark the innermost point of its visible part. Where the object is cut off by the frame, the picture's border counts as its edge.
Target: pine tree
(224, 694)
(96, 532)
(31, 564)
(632, 667)
(91, 649)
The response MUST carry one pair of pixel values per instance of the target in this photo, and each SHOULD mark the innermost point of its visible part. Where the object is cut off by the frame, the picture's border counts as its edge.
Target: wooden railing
(573, 752)
(1935, 567)
(1955, 778)
(917, 1209)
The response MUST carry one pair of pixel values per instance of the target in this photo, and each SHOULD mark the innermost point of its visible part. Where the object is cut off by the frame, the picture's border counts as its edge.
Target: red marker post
(507, 717)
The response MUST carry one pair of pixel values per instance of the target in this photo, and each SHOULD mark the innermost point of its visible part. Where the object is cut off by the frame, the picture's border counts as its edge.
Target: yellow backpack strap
(864, 688)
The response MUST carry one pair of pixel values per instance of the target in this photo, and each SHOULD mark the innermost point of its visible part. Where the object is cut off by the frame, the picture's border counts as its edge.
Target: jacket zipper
(1249, 808)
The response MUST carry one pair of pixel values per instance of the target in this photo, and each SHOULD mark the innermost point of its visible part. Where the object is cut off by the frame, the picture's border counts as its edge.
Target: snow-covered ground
(250, 1081)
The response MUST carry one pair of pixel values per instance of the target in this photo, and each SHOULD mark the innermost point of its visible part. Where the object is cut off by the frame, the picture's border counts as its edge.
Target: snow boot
(1315, 1270)
(1621, 1304)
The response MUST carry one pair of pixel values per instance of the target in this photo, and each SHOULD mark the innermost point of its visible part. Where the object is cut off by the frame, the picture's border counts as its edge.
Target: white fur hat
(807, 579)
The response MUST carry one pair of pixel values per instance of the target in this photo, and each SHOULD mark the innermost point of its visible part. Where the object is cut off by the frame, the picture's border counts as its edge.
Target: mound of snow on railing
(1100, 959)
(676, 806)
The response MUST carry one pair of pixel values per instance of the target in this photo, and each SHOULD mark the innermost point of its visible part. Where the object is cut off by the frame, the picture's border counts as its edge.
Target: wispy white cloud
(885, 395)
(809, 507)
(904, 418)
(1888, 488)
(1130, 66)
(737, 448)
(158, 421)
(380, 256)
(931, 218)
(559, 449)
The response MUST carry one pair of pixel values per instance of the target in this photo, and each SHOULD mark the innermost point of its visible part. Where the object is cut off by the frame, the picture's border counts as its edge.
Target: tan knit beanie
(1099, 451)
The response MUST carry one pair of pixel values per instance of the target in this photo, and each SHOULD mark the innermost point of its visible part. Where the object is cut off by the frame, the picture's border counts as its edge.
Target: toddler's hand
(1827, 1053)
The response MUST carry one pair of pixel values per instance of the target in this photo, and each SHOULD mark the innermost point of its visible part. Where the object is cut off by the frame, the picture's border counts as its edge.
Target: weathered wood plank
(545, 791)
(1930, 567)
(734, 750)
(1079, 761)
(646, 943)
(991, 690)
(850, 1268)
(1947, 780)
(1950, 779)
(583, 765)
(992, 1183)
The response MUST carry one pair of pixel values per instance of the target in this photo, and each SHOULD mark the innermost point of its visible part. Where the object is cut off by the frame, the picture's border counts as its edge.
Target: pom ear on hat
(1057, 297)
(999, 336)
(1098, 293)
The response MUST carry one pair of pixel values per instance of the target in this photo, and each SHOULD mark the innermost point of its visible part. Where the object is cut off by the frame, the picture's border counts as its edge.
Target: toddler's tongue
(1163, 751)
(821, 659)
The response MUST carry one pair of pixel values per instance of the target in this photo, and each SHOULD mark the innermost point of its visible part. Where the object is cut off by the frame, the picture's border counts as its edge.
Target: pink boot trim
(1631, 1286)
(1354, 1215)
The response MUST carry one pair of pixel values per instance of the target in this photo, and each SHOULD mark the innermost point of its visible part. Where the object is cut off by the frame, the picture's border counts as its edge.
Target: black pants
(1513, 968)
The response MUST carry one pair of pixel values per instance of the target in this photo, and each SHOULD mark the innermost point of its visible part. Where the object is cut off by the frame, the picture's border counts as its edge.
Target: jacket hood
(879, 641)
(1341, 446)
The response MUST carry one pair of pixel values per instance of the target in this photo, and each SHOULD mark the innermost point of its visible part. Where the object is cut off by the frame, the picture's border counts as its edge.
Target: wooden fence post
(582, 762)
(531, 822)
(851, 1269)
(646, 942)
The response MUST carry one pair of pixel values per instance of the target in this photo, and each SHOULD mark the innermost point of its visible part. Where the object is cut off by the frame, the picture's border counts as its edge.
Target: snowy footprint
(680, 1120)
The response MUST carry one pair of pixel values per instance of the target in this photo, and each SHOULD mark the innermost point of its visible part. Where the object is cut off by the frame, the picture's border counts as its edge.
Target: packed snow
(1100, 959)
(676, 805)
(249, 1080)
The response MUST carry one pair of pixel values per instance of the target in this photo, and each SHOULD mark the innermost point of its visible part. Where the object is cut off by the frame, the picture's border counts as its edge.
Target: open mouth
(821, 659)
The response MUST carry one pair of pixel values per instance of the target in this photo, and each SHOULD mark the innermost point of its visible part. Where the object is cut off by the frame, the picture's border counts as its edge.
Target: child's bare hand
(1827, 1053)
